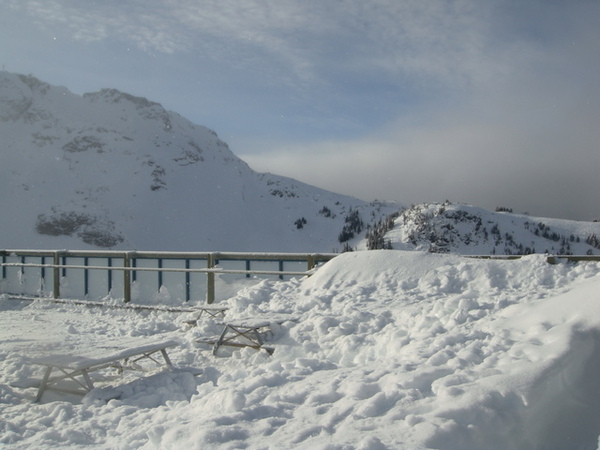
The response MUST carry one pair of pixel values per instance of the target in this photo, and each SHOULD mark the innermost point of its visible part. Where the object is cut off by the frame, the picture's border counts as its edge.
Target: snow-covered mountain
(110, 170)
(468, 230)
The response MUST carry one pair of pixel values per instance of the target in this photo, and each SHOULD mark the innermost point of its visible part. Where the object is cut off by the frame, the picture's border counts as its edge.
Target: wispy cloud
(309, 41)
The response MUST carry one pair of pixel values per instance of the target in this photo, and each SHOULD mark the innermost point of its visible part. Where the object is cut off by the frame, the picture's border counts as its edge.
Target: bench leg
(249, 333)
(43, 384)
(239, 337)
(148, 355)
(166, 357)
(47, 380)
(88, 380)
(220, 340)
(257, 337)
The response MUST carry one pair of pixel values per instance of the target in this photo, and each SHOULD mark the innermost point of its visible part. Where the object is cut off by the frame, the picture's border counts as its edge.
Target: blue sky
(492, 103)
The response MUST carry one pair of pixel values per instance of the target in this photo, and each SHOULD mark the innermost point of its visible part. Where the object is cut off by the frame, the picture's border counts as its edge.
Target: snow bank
(393, 350)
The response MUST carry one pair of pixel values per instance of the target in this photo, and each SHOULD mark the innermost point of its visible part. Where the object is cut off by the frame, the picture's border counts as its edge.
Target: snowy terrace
(394, 350)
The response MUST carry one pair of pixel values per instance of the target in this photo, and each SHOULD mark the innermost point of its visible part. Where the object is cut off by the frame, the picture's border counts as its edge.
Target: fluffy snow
(393, 349)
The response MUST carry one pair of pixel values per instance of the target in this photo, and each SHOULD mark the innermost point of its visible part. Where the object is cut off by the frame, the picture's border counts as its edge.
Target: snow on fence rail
(99, 274)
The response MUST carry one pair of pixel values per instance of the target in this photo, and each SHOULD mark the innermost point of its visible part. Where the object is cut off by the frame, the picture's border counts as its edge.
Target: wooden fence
(123, 268)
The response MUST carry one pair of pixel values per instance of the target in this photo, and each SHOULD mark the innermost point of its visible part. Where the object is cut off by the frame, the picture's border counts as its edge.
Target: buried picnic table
(246, 333)
(60, 367)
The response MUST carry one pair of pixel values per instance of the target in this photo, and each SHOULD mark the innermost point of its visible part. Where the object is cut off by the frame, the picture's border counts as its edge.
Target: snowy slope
(110, 170)
(393, 350)
(468, 230)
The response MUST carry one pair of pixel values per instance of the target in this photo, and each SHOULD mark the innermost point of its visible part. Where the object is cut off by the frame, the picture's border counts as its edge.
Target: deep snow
(393, 350)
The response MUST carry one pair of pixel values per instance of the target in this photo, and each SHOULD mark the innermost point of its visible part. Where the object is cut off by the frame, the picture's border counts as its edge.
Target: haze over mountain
(110, 170)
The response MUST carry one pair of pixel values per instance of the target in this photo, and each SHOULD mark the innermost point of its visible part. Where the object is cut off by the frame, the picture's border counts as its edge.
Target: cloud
(519, 133)
(459, 157)
(305, 42)
(527, 140)
(420, 44)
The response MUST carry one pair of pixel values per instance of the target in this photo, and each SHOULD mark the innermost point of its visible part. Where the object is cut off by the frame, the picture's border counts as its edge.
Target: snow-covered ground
(393, 349)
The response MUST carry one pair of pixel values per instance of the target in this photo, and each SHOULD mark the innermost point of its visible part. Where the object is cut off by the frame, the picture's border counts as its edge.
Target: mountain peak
(15, 95)
(144, 107)
(116, 96)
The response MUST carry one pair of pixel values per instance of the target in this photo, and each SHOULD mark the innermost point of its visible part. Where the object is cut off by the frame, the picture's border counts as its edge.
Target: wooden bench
(216, 312)
(77, 368)
(245, 333)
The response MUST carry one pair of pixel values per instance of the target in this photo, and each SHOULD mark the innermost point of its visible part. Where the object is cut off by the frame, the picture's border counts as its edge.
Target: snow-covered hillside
(110, 170)
(392, 350)
(468, 230)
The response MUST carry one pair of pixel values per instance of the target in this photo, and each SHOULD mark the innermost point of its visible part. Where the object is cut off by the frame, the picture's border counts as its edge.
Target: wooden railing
(194, 272)
(124, 268)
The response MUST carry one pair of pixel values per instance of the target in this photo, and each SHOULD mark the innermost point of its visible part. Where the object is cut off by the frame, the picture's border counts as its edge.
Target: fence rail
(132, 263)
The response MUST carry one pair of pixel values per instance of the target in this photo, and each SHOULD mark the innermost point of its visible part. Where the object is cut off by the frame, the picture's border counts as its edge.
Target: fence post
(187, 281)
(126, 278)
(310, 262)
(3, 266)
(210, 279)
(86, 277)
(56, 275)
(109, 275)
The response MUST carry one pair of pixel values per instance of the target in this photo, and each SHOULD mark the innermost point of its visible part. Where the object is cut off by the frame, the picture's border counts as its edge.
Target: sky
(491, 103)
